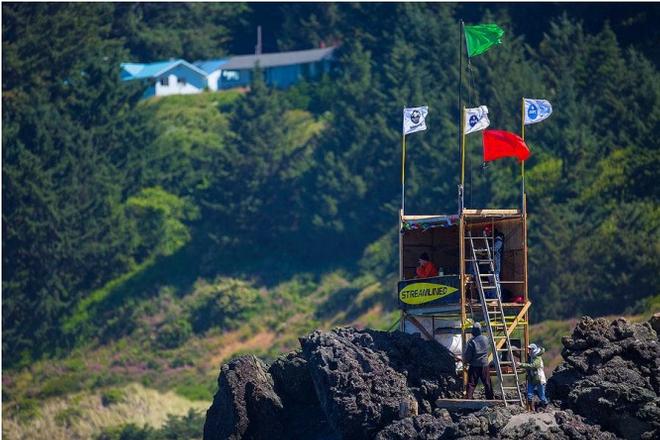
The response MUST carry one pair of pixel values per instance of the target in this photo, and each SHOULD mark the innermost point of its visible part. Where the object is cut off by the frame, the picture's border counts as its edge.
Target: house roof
(278, 59)
(209, 66)
(153, 70)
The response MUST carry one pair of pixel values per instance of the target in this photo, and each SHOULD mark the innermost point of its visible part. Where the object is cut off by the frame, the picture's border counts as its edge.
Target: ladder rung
(510, 388)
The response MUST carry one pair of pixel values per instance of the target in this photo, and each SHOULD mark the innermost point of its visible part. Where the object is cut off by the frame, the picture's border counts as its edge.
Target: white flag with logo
(476, 119)
(536, 110)
(414, 119)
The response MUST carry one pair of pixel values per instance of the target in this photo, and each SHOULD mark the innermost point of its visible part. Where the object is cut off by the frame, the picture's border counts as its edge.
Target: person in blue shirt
(496, 251)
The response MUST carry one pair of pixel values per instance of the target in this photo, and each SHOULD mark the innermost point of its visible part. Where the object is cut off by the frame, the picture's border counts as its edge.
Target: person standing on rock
(476, 356)
(535, 376)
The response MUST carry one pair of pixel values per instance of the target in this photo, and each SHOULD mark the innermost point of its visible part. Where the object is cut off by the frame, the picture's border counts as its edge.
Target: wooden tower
(444, 308)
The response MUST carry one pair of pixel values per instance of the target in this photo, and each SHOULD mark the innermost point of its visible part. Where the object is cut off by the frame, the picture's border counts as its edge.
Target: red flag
(499, 144)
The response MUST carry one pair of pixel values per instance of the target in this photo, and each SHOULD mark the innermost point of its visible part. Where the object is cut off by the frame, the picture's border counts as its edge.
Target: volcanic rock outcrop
(611, 376)
(352, 384)
(496, 423)
(346, 383)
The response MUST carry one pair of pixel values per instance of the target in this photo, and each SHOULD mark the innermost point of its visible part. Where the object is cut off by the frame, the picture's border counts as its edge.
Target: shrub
(182, 361)
(61, 385)
(187, 427)
(67, 416)
(127, 432)
(26, 409)
(226, 304)
(190, 426)
(112, 396)
(173, 333)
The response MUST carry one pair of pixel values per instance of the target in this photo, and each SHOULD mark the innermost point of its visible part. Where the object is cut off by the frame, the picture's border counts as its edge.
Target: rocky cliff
(352, 384)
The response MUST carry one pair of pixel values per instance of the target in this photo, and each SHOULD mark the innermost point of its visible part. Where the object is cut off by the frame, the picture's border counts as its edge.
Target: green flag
(481, 37)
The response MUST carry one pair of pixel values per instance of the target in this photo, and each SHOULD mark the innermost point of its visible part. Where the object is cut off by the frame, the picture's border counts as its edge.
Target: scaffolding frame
(463, 309)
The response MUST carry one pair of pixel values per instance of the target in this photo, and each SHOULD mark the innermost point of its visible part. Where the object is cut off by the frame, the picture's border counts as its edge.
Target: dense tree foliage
(100, 188)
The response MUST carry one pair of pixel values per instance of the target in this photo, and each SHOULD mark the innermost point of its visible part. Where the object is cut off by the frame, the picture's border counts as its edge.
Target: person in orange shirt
(426, 269)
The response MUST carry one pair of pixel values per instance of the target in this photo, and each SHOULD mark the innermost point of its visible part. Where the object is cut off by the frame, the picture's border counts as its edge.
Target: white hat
(535, 349)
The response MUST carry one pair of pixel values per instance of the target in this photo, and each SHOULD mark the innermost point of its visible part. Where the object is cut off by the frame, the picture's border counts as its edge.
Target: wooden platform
(490, 212)
(467, 404)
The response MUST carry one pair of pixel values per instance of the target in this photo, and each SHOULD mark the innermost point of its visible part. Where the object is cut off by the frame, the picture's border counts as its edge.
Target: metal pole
(403, 175)
(461, 197)
(522, 168)
(462, 149)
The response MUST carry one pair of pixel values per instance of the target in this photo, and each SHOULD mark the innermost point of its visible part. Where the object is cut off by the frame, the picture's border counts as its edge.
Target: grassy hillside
(180, 339)
(84, 415)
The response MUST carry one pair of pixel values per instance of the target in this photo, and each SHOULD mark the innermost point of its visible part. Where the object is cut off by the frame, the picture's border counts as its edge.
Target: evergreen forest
(255, 200)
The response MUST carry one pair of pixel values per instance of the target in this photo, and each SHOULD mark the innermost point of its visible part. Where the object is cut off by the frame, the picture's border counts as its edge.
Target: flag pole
(461, 198)
(403, 174)
(522, 168)
(462, 155)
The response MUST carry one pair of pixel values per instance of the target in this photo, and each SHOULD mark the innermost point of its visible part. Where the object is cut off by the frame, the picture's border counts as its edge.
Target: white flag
(414, 119)
(476, 119)
(536, 110)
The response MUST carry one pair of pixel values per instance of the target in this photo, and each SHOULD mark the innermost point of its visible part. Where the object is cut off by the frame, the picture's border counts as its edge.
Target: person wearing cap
(476, 356)
(498, 247)
(535, 376)
(425, 268)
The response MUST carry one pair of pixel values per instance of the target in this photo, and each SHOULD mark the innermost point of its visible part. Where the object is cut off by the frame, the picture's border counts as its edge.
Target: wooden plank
(463, 284)
(400, 247)
(467, 404)
(525, 274)
(513, 325)
(505, 305)
(410, 217)
(419, 327)
(485, 212)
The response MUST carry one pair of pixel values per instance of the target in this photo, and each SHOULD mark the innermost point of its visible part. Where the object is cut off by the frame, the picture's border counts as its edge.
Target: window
(181, 81)
(230, 75)
(165, 81)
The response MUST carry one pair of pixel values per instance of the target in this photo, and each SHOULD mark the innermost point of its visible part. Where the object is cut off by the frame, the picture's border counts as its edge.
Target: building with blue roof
(213, 71)
(175, 77)
(280, 69)
(178, 77)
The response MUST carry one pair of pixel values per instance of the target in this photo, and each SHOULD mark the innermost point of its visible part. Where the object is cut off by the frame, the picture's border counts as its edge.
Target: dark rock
(292, 380)
(655, 323)
(246, 405)
(357, 389)
(422, 427)
(302, 416)
(552, 424)
(610, 376)
(351, 384)
(485, 423)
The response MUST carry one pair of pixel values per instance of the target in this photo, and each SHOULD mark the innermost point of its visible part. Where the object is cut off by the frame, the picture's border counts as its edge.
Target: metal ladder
(492, 316)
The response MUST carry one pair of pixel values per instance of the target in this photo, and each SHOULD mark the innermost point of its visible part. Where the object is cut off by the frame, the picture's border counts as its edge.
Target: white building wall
(175, 88)
(213, 78)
